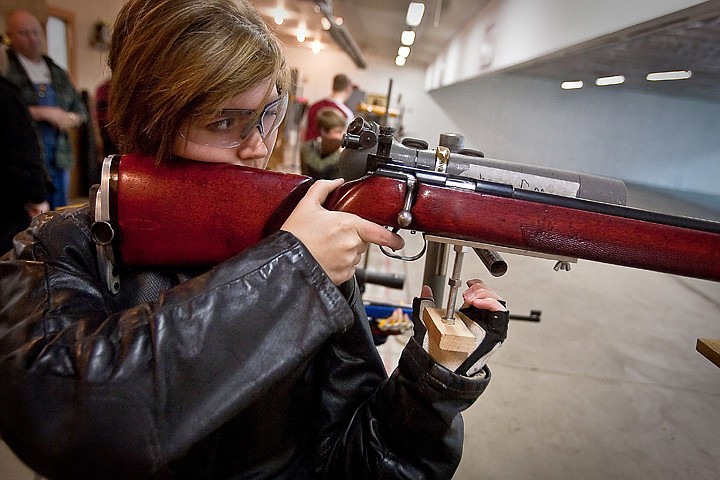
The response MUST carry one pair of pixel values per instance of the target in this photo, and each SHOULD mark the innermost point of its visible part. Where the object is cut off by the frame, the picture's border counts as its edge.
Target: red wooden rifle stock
(191, 213)
(194, 213)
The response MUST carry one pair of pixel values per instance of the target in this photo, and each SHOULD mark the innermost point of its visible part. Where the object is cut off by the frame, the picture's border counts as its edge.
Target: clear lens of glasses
(233, 126)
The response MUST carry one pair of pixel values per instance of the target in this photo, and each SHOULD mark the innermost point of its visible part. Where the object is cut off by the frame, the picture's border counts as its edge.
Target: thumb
(319, 191)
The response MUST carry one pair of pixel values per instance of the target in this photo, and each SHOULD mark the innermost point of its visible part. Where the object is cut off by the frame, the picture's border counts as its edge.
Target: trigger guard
(396, 256)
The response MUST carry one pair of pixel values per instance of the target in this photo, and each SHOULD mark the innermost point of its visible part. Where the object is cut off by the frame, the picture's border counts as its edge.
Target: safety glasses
(233, 126)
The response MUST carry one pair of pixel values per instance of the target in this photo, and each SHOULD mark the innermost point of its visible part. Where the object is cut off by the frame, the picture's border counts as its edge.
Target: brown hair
(171, 58)
(329, 118)
(340, 82)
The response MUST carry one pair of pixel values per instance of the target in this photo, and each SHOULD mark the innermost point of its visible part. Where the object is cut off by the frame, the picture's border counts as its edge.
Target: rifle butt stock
(192, 213)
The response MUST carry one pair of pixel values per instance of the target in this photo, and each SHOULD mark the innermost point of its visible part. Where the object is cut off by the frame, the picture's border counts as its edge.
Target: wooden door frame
(69, 19)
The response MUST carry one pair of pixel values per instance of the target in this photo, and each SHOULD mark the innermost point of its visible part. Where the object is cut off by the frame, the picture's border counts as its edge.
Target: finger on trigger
(379, 235)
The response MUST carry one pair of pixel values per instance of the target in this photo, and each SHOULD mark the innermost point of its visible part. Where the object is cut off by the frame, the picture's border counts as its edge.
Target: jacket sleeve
(159, 376)
(408, 427)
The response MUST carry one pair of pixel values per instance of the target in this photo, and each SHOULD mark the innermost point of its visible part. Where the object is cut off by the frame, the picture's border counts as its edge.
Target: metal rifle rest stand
(437, 253)
(376, 312)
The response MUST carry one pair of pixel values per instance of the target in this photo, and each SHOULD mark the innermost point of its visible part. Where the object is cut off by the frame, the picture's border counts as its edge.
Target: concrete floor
(607, 386)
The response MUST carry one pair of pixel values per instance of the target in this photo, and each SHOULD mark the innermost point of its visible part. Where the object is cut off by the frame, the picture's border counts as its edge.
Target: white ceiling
(376, 25)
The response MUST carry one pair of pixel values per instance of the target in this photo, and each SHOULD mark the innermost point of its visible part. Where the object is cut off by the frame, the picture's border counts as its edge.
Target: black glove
(495, 326)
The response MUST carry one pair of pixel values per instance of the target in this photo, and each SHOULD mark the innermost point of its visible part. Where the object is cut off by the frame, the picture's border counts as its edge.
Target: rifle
(152, 211)
(147, 214)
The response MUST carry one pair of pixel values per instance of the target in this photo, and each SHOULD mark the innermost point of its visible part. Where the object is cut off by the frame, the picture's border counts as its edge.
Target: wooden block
(451, 338)
(710, 348)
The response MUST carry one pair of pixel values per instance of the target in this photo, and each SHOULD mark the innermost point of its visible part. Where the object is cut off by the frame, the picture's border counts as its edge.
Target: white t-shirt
(38, 72)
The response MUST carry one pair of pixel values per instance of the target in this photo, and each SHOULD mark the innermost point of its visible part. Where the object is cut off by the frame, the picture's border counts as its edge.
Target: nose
(253, 152)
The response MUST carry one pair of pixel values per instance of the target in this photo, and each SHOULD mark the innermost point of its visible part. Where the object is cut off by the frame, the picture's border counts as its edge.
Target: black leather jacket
(257, 368)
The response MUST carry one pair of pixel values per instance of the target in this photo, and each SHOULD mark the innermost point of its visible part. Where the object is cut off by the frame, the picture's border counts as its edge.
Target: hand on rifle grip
(336, 240)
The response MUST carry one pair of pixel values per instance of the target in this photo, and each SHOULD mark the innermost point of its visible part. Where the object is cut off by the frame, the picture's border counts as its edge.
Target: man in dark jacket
(48, 93)
(24, 183)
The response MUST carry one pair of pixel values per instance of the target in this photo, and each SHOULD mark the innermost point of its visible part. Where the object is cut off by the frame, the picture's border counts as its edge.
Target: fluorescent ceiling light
(404, 51)
(676, 75)
(571, 85)
(279, 14)
(415, 13)
(301, 34)
(613, 80)
(399, 61)
(407, 37)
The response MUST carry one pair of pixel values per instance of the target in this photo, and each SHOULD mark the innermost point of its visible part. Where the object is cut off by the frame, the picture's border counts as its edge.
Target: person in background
(47, 91)
(319, 157)
(102, 104)
(262, 366)
(342, 87)
(24, 182)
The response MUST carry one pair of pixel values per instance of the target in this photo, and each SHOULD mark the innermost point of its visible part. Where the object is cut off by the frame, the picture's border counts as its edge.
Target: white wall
(649, 139)
(511, 32)
(654, 140)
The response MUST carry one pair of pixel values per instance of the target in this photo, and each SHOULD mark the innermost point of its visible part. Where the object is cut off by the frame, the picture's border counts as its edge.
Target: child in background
(319, 157)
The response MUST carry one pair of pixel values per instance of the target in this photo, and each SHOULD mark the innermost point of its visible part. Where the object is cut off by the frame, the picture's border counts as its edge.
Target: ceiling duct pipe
(340, 34)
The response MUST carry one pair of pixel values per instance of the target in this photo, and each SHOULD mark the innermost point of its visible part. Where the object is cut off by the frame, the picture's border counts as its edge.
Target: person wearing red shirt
(341, 90)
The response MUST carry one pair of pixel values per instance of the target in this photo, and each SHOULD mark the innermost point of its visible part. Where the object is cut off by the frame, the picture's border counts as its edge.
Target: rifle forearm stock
(547, 224)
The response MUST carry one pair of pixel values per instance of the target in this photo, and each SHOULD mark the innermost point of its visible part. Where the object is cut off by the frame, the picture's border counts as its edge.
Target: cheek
(270, 145)
(201, 153)
(179, 146)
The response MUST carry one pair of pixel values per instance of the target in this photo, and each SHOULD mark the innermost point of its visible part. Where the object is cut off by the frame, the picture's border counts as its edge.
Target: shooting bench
(710, 348)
